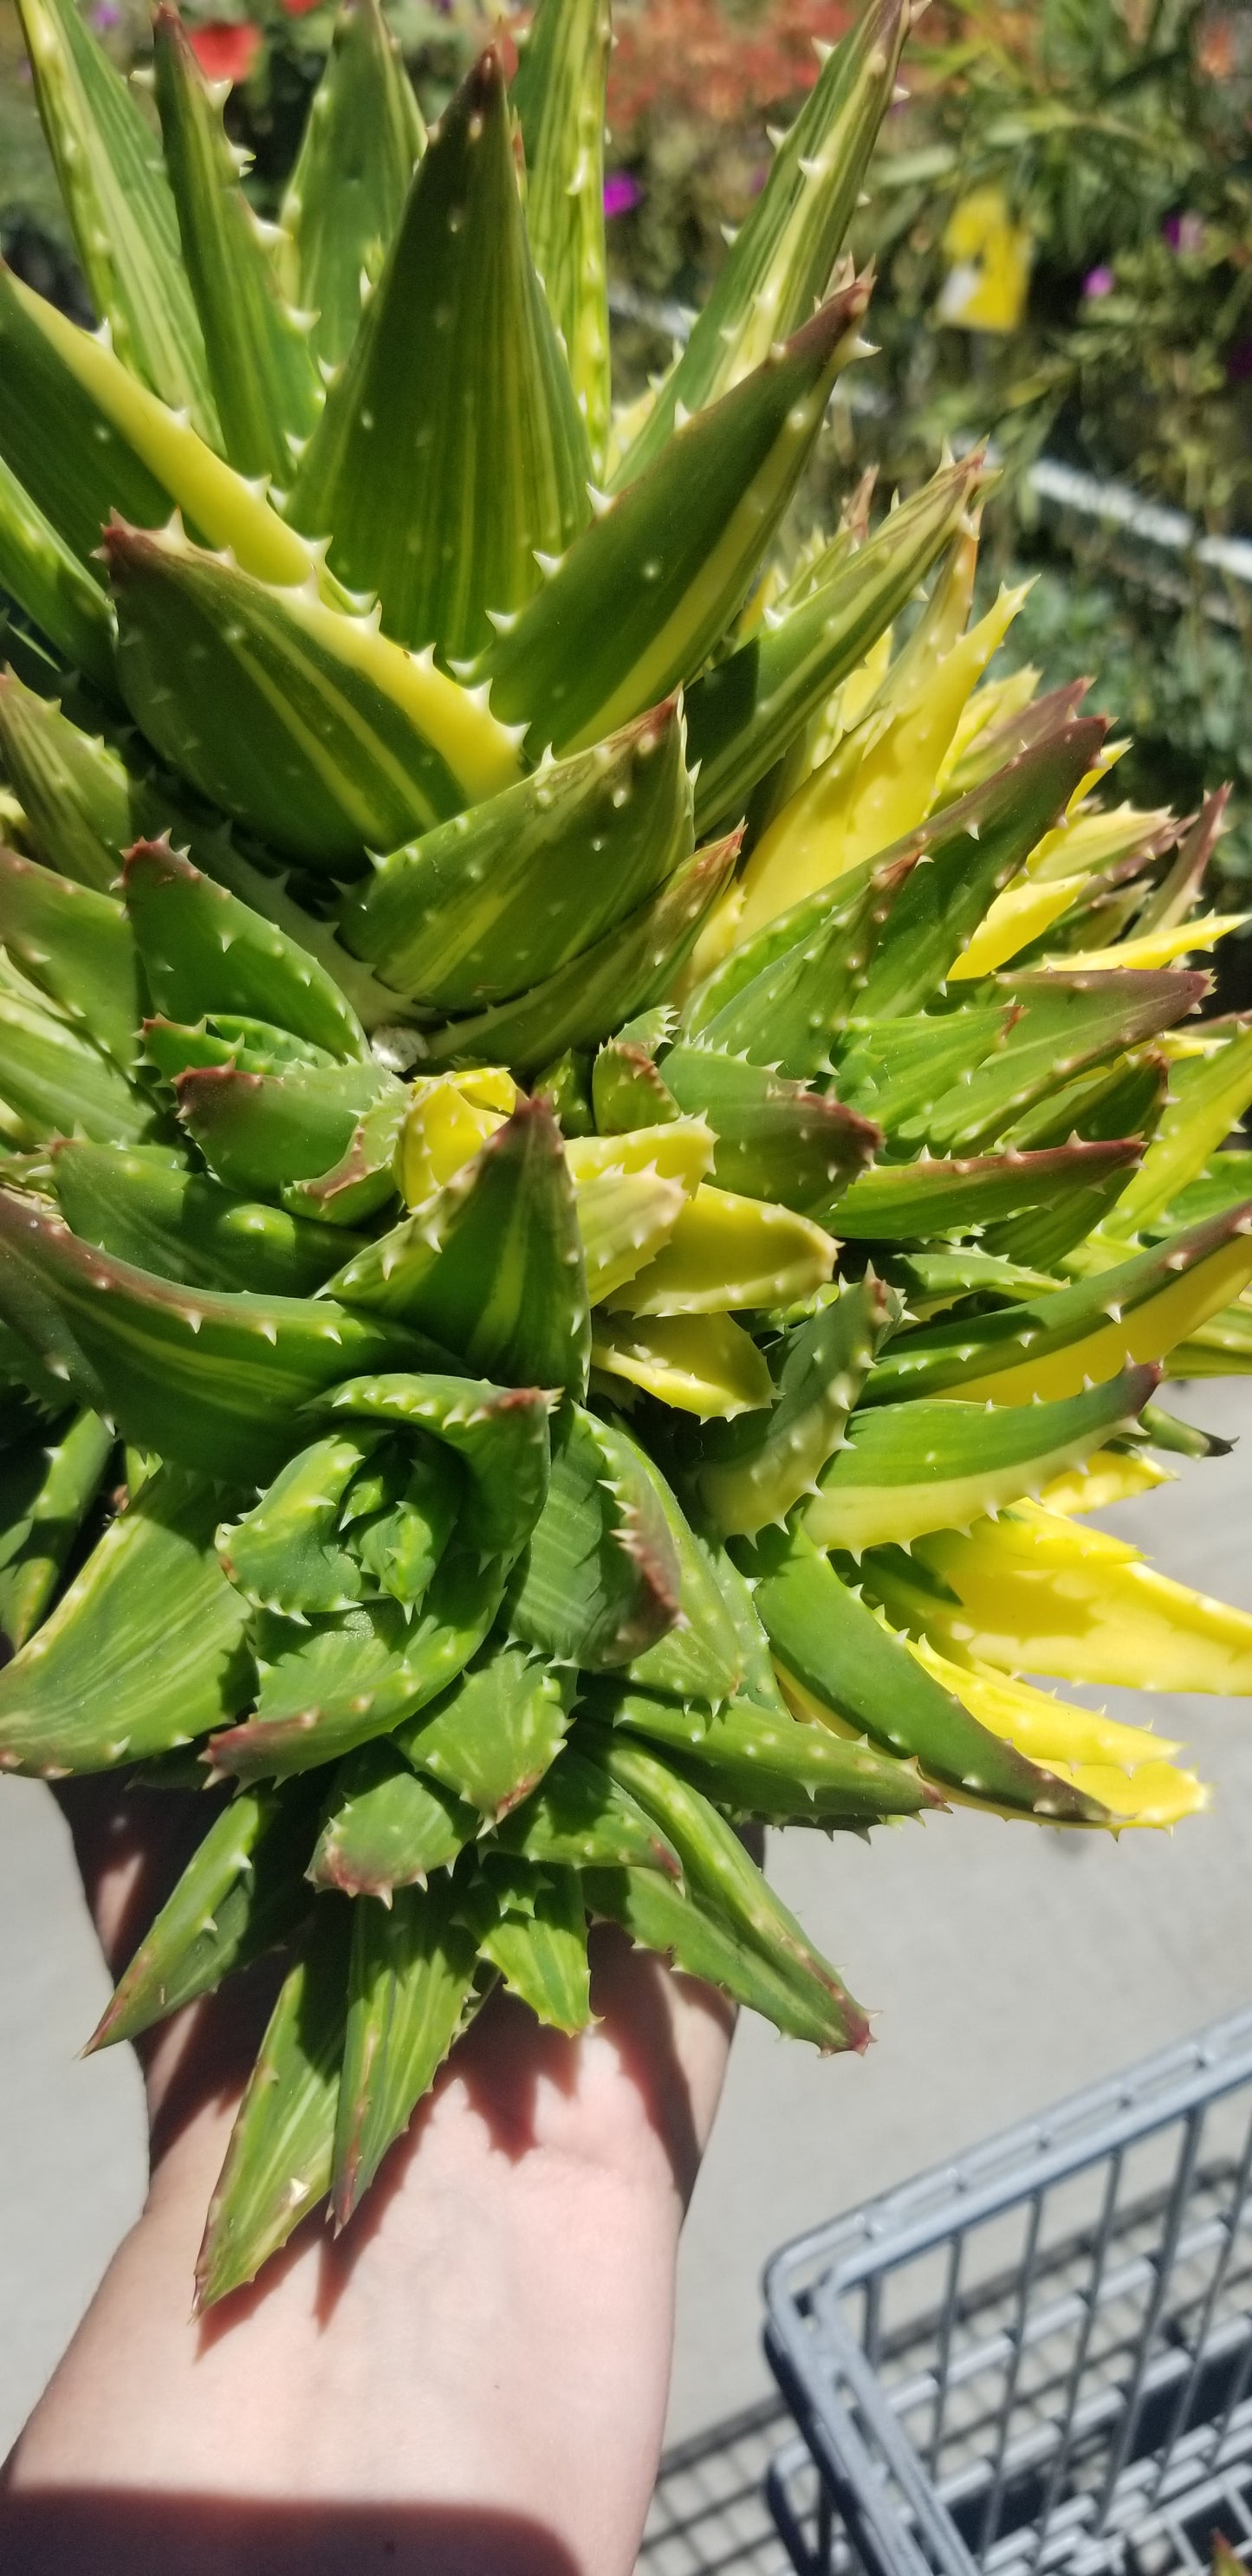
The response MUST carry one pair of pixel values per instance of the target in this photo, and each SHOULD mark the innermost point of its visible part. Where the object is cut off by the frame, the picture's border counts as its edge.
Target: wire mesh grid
(709, 2514)
(1036, 2361)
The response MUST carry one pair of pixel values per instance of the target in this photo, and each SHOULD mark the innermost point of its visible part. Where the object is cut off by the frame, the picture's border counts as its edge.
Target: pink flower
(1099, 281)
(621, 192)
(1184, 232)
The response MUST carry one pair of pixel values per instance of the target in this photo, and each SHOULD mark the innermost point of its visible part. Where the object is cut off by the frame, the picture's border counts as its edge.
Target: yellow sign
(989, 277)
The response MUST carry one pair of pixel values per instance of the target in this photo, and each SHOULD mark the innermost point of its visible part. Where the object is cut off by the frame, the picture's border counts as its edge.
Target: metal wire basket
(1036, 2361)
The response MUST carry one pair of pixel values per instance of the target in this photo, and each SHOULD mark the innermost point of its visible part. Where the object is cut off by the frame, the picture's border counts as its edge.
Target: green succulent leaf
(286, 1553)
(45, 577)
(558, 97)
(155, 1216)
(411, 1991)
(1050, 1344)
(55, 1082)
(303, 722)
(263, 1134)
(581, 1819)
(830, 1642)
(719, 1872)
(782, 999)
(1208, 1097)
(775, 1139)
(744, 712)
(646, 590)
(496, 901)
(895, 1072)
(279, 2160)
(240, 1893)
(77, 946)
(535, 1934)
(386, 1827)
(260, 363)
(451, 446)
(765, 1763)
(684, 1927)
(210, 1379)
(330, 1684)
(499, 1433)
(909, 1468)
(753, 1470)
(46, 1491)
(493, 1736)
(899, 1201)
(204, 950)
(142, 1652)
(600, 1580)
(780, 262)
(628, 1091)
(1064, 1022)
(971, 850)
(117, 196)
(492, 1266)
(700, 1656)
(629, 968)
(346, 194)
(77, 798)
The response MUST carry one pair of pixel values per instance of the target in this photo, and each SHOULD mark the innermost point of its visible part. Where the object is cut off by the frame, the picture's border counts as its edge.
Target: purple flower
(1184, 232)
(1099, 281)
(106, 15)
(621, 192)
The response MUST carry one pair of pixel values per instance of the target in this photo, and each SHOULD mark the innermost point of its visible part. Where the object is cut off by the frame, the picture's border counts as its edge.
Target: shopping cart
(1037, 2360)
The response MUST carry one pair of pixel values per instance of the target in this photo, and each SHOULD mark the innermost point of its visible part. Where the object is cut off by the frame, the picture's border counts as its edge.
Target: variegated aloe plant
(599, 1169)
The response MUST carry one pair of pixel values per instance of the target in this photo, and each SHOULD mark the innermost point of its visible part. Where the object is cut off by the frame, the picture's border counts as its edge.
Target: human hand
(472, 2379)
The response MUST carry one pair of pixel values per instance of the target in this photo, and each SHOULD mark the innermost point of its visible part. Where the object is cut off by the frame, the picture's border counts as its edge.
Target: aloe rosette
(601, 1166)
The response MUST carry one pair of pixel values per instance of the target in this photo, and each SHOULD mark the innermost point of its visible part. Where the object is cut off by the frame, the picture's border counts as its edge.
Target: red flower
(297, 8)
(226, 48)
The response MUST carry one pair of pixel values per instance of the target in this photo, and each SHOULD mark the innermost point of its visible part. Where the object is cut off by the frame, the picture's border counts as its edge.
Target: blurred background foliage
(1061, 219)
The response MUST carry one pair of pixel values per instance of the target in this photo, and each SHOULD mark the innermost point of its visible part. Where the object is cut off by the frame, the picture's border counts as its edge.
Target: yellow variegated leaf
(624, 1218)
(449, 1117)
(704, 1364)
(1044, 1728)
(1152, 1794)
(1036, 1593)
(878, 784)
(728, 1252)
(1017, 917)
(1083, 843)
(681, 1151)
(1148, 1332)
(1160, 947)
(1111, 1476)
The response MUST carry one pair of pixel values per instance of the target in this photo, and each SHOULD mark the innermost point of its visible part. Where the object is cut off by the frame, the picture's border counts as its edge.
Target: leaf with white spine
(411, 1991)
(754, 1470)
(535, 1933)
(629, 968)
(780, 262)
(143, 1651)
(899, 1202)
(495, 900)
(644, 592)
(558, 97)
(204, 950)
(496, 1733)
(909, 1468)
(764, 1762)
(344, 199)
(599, 1580)
(42, 573)
(186, 1227)
(55, 1082)
(278, 2163)
(77, 946)
(260, 363)
(240, 1893)
(118, 199)
(385, 1828)
(306, 724)
(46, 1492)
(451, 447)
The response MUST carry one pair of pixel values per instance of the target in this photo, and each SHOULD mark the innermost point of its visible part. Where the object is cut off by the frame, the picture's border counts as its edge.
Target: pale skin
(472, 2380)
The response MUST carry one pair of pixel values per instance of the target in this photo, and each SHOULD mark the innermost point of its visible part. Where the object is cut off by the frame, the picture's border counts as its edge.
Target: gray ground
(1009, 1965)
